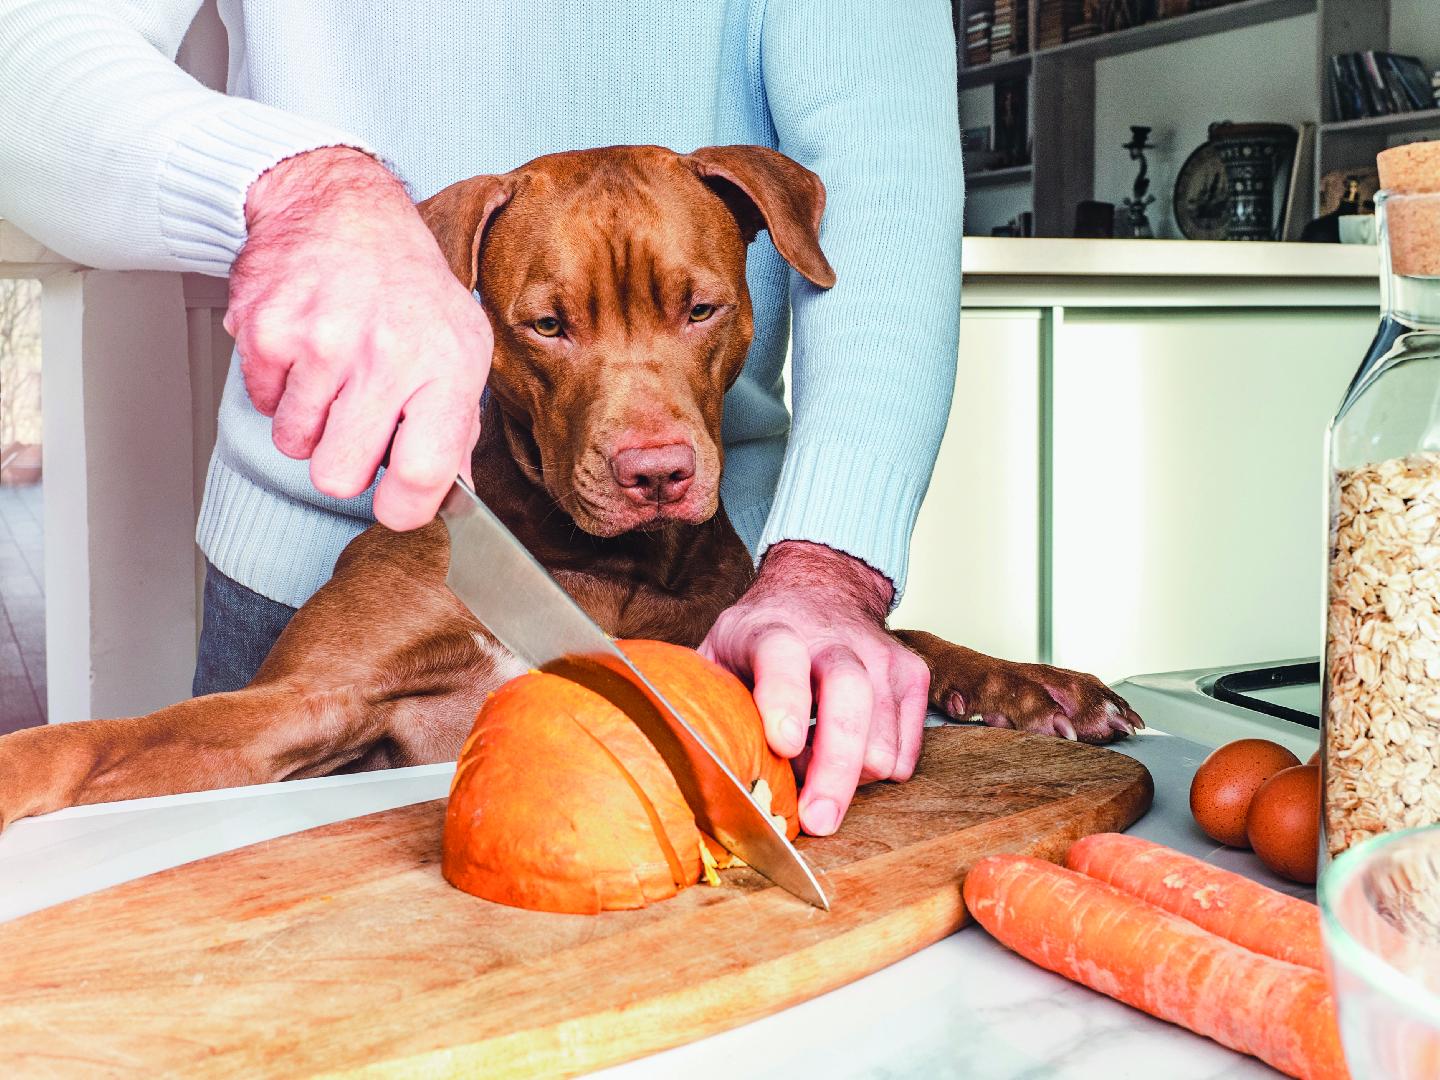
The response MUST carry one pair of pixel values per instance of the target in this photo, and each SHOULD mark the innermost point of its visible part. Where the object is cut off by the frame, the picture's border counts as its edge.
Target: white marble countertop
(964, 1007)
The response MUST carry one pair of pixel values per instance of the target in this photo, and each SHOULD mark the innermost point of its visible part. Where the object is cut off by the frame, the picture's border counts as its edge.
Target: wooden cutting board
(342, 948)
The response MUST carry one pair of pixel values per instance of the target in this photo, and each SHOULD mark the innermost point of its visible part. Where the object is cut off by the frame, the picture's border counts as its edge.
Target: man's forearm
(292, 190)
(872, 111)
(802, 565)
(119, 159)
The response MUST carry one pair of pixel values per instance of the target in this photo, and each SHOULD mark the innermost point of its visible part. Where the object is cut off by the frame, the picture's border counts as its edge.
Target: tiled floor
(22, 609)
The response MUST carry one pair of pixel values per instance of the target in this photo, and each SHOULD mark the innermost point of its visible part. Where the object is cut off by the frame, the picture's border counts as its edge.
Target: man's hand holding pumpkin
(808, 636)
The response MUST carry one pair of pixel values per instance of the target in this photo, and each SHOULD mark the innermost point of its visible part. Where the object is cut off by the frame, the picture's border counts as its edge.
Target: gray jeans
(238, 630)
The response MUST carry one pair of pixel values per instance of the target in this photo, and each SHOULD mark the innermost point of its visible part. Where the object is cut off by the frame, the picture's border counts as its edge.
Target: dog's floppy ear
(766, 190)
(458, 214)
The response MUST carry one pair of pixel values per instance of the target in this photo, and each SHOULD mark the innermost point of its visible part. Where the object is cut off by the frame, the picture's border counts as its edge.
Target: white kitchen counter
(1174, 275)
(964, 1007)
(1004, 256)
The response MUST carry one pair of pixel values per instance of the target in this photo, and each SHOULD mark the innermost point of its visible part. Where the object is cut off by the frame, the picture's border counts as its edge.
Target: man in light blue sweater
(349, 327)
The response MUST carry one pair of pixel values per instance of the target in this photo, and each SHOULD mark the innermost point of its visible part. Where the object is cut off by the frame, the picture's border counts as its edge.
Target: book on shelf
(1334, 90)
(1381, 99)
(1008, 34)
(1376, 83)
(1053, 20)
(979, 22)
(1413, 80)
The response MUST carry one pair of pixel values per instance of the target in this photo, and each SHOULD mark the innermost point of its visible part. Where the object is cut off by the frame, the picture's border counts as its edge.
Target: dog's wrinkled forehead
(613, 236)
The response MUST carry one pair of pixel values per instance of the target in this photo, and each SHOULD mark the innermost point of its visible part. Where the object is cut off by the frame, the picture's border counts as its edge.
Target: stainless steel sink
(1278, 701)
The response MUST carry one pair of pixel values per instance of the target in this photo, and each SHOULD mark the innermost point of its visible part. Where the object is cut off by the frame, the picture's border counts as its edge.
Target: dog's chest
(638, 610)
(602, 600)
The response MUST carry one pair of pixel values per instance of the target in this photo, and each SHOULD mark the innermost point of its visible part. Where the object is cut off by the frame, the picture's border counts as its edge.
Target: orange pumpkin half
(559, 803)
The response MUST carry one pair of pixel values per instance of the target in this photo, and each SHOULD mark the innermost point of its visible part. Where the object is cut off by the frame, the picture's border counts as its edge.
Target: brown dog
(615, 281)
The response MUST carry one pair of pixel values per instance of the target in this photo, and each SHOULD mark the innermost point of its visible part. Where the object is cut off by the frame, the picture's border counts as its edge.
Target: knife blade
(517, 600)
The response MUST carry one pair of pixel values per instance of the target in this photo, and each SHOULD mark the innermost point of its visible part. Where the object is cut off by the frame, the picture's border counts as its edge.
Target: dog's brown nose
(658, 474)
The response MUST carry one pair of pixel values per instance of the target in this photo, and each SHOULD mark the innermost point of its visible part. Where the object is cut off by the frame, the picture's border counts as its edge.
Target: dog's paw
(1041, 699)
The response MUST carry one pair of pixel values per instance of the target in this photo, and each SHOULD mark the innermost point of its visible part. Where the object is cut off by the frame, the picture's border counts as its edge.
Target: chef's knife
(522, 605)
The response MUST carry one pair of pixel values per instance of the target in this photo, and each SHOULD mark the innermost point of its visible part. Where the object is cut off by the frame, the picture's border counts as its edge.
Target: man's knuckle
(328, 338)
(725, 622)
(420, 476)
(387, 339)
(258, 374)
(914, 676)
(837, 655)
(851, 725)
(880, 762)
(883, 739)
(286, 433)
(771, 632)
(267, 339)
(911, 665)
(764, 623)
(843, 761)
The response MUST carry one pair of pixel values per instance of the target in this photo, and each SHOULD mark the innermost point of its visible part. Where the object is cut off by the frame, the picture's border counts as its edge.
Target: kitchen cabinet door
(975, 557)
(1186, 513)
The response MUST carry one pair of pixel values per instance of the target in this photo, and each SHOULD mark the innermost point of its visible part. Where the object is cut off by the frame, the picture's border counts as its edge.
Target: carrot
(1110, 941)
(1236, 908)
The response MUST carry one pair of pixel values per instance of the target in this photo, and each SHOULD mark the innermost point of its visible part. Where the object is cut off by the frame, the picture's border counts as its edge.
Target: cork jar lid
(1412, 169)
(1412, 225)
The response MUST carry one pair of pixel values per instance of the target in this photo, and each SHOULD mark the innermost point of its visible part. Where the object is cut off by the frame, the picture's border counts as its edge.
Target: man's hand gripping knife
(349, 322)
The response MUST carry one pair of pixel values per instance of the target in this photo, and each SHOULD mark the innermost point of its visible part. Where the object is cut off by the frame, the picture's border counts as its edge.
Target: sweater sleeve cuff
(848, 500)
(203, 182)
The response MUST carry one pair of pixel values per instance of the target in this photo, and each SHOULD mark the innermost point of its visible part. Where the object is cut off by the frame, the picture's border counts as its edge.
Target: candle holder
(1136, 224)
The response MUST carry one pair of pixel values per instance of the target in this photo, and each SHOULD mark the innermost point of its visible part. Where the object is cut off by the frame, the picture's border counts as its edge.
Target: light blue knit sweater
(114, 157)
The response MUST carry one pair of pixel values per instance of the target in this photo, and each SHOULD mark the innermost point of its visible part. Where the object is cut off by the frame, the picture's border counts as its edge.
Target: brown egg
(1284, 823)
(1314, 758)
(1227, 780)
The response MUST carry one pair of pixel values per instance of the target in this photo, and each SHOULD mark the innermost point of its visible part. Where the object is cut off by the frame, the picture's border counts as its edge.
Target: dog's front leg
(967, 685)
(252, 736)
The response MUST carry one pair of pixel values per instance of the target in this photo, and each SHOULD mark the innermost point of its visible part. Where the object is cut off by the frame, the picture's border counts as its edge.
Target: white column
(120, 603)
(210, 348)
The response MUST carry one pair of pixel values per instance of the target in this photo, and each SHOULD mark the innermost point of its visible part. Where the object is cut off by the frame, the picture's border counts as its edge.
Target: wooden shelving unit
(1183, 28)
(1062, 93)
(1393, 122)
(1012, 68)
(1234, 16)
(1014, 174)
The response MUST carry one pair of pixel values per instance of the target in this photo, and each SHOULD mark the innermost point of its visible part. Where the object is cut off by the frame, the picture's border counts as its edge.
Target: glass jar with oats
(1380, 756)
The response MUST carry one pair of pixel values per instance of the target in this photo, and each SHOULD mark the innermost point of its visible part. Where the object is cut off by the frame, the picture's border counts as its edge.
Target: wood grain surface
(343, 950)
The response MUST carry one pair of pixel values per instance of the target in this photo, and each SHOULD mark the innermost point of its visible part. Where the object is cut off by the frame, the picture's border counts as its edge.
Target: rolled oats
(1382, 725)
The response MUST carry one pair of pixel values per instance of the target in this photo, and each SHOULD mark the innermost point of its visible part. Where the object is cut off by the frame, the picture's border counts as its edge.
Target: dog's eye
(701, 312)
(547, 326)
